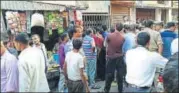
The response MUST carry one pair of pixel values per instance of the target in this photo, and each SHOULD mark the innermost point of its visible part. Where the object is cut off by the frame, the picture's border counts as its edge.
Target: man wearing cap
(31, 66)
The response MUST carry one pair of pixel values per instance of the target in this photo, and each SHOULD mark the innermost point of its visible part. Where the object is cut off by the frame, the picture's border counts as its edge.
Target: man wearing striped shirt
(90, 53)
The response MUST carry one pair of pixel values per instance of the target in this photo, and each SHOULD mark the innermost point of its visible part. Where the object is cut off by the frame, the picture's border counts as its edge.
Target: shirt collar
(24, 51)
(141, 47)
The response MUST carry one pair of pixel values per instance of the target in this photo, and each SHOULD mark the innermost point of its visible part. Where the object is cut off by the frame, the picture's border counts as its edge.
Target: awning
(29, 5)
(64, 3)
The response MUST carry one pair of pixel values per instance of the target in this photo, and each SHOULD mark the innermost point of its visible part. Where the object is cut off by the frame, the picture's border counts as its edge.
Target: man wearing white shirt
(141, 65)
(31, 66)
(174, 46)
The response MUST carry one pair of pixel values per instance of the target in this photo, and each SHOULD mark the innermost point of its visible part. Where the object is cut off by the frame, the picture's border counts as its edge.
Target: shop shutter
(117, 13)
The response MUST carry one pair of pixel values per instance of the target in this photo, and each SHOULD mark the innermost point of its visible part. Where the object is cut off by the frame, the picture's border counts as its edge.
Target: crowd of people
(134, 51)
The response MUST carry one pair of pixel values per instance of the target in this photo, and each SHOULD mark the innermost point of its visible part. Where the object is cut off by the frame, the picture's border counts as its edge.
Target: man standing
(90, 54)
(168, 36)
(36, 43)
(159, 26)
(141, 65)
(32, 76)
(9, 71)
(129, 38)
(105, 33)
(61, 52)
(170, 75)
(114, 58)
(155, 37)
(74, 69)
(75, 33)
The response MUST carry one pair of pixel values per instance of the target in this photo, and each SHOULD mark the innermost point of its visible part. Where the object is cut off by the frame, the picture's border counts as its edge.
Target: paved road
(102, 83)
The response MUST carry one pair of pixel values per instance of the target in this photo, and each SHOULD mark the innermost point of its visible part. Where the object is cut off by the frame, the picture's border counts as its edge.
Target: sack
(37, 20)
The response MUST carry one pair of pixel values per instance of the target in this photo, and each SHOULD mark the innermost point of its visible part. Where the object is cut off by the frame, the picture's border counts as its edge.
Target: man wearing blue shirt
(129, 38)
(168, 36)
(105, 33)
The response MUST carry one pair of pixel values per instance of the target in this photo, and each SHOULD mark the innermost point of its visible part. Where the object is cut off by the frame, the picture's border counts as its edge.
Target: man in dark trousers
(114, 58)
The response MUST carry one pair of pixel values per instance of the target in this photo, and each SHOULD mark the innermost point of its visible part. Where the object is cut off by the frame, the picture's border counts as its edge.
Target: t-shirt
(114, 45)
(98, 41)
(69, 47)
(129, 42)
(87, 47)
(74, 62)
(167, 37)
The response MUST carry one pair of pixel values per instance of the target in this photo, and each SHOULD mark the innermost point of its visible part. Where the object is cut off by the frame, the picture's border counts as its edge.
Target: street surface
(102, 83)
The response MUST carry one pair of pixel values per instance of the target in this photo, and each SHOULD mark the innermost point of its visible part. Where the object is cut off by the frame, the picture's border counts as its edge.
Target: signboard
(78, 15)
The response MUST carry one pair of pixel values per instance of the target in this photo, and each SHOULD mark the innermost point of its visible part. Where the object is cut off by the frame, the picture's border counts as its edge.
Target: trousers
(91, 71)
(134, 89)
(113, 64)
(61, 83)
(75, 86)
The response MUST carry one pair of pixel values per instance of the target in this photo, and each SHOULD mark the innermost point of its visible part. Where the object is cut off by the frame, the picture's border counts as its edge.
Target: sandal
(95, 87)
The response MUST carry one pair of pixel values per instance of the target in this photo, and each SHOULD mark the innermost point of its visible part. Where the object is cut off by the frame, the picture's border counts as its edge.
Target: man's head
(99, 30)
(158, 26)
(171, 26)
(170, 75)
(21, 41)
(77, 31)
(77, 43)
(64, 37)
(130, 27)
(36, 39)
(104, 27)
(149, 23)
(112, 29)
(119, 27)
(89, 31)
(143, 39)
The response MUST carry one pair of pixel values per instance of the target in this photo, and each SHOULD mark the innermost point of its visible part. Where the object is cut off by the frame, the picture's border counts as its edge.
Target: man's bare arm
(84, 79)
(160, 49)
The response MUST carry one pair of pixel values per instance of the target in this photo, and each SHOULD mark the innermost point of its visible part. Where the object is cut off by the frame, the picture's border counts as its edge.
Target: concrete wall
(158, 14)
(133, 15)
(97, 6)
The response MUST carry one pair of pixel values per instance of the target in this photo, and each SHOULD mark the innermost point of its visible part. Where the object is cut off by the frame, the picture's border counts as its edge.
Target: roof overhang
(29, 5)
(40, 5)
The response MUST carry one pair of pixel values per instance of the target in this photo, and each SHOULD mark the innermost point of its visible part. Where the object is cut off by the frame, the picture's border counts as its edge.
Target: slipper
(95, 87)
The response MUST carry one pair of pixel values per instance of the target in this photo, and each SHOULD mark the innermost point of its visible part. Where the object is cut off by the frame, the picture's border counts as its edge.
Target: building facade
(159, 10)
(96, 14)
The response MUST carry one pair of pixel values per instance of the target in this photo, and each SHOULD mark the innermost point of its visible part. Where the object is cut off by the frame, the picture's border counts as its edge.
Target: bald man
(9, 71)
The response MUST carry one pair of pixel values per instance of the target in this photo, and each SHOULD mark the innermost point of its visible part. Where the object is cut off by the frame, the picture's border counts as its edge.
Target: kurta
(32, 77)
(9, 73)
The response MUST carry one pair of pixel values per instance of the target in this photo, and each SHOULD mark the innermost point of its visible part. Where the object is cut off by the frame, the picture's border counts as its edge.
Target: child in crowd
(74, 69)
